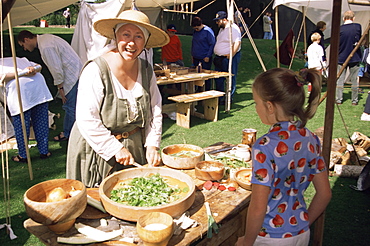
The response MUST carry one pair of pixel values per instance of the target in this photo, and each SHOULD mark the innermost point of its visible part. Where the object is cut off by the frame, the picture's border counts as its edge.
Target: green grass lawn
(347, 217)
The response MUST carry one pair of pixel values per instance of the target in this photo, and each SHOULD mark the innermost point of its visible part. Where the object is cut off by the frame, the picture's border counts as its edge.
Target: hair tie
(301, 78)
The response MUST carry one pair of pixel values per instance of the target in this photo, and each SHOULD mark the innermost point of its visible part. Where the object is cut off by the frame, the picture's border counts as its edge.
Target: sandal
(45, 156)
(59, 137)
(18, 158)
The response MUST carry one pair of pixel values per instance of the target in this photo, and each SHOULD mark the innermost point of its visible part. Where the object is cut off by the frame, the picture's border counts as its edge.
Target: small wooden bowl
(53, 213)
(155, 229)
(243, 178)
(182, 162)
(209, 170)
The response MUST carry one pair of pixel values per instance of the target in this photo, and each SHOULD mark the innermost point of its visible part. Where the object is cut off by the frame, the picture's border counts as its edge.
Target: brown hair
(285, 87)
(25, 34)
(320, 24)
(197, 21)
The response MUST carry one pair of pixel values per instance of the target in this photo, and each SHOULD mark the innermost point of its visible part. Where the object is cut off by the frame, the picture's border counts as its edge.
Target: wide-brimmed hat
(157, 38)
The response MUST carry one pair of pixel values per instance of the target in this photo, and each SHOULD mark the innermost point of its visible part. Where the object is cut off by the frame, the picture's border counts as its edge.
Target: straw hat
(158, 37)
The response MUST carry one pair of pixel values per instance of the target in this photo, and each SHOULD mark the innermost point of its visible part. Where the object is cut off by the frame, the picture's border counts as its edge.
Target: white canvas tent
(24, 11)
(321, 10)
(87, 43)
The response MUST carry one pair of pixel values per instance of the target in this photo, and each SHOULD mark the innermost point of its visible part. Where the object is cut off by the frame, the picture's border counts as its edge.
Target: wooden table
(228, 207)
(189, 81)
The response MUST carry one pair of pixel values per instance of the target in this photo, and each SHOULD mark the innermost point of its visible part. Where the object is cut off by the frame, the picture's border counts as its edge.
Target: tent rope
(184, 10)
(5, 159)
(250, 39)
(259, 16)
(297, 39)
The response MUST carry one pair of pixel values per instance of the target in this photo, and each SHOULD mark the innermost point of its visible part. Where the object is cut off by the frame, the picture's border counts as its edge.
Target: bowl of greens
(134, 192)
(182, 156)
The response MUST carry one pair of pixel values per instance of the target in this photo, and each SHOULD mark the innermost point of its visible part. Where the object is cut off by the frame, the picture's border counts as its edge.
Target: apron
(83, 163)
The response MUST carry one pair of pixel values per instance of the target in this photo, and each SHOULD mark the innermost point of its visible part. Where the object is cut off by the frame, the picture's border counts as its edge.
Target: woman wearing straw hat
(118, 114)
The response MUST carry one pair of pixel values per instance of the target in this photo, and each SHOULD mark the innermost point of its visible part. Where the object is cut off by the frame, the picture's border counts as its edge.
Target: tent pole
(329, 111)
(277, 36)
(230, 15)
(19, 96)
(304, 29)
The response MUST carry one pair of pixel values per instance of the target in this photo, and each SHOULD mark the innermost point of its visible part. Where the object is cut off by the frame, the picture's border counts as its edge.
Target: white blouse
(89, 99)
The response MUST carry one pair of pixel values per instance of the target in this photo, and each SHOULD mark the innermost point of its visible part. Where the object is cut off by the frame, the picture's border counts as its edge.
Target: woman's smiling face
(130, 41)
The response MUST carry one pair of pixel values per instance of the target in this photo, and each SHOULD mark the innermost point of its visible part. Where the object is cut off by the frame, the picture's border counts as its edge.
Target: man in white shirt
(64, 65)
(222, 51)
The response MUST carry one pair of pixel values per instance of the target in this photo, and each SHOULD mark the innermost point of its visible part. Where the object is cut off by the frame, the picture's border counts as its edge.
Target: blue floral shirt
(286, 159)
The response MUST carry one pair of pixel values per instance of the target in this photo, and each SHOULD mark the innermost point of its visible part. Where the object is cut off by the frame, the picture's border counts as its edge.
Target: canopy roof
(321, 10)
(27, 10)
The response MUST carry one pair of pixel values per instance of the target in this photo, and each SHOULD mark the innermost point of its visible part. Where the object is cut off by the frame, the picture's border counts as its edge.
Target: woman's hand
(124, 157)
(152, 156)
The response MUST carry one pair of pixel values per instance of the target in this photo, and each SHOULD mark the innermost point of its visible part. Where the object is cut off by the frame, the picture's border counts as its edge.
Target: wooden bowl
(52, 213)
(155, 229)
(209, 170)
(243, 178)
(132, 213)
(182, 162)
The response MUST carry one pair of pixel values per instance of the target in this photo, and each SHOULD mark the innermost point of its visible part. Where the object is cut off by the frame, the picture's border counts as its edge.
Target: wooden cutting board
(91, 212)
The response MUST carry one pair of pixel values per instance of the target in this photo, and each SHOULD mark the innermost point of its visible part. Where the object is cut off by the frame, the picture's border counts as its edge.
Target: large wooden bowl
(132, 213)
(51, 213)
(176, 162)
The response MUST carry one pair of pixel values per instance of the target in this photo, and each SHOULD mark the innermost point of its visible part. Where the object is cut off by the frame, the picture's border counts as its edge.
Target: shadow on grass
(346, 215)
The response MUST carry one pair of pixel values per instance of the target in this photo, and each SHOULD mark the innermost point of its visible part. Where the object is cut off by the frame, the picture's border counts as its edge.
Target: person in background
(320, 28)
(315, 54)
(222, 52)
(202, 46)
(119, 117)
(350, 34)
(267, 28)
(285, 161)
(35, 97)
(65, 67)
(247, 14)
(172, 52)
(67, 16)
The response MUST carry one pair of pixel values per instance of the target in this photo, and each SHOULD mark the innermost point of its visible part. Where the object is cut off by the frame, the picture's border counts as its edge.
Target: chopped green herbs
(145, 192)
(232, 162)
(185, 154)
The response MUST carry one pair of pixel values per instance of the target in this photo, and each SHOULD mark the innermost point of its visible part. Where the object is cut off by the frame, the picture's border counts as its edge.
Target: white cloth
(89, 100)
(62, 61)
(34, 90)
(222, 46)
(315, 52)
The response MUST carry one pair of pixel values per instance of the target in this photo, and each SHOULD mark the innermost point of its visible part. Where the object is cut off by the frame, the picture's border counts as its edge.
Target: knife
(220, 150)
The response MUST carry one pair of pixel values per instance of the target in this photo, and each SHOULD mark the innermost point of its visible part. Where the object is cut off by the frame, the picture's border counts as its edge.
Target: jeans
(267, 35)
(70, 110)
(353, 72)
(220, 82)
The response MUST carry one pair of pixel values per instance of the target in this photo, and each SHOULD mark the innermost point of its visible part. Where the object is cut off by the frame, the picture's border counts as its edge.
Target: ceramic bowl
(55, 213)
(132, 213)
(243, 178)
(182, 156)
(209, 170)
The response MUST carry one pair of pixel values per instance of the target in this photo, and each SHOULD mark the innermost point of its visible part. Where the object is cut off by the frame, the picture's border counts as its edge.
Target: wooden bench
(184, 106)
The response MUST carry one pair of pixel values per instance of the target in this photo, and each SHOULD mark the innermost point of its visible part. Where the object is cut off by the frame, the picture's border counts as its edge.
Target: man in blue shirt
(350, 34)
(202, 45)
